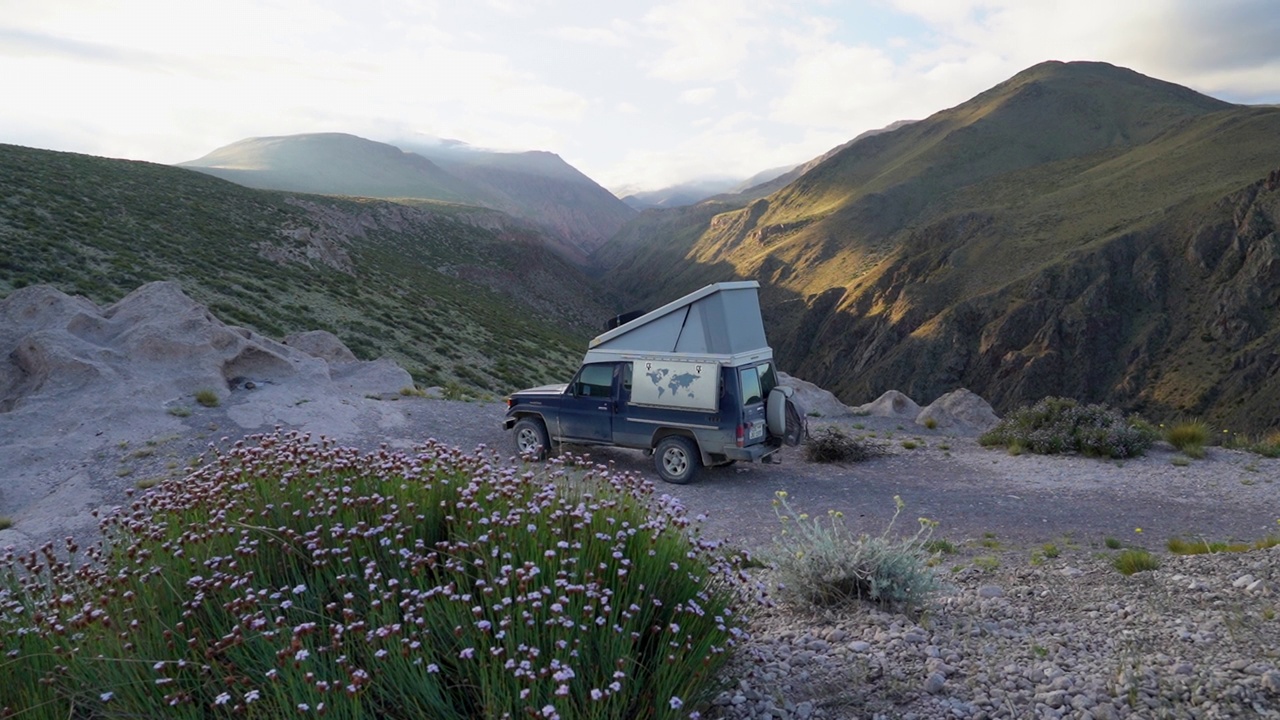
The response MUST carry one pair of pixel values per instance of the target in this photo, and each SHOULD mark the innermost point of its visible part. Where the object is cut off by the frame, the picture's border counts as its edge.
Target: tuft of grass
(820, 562)
(1057, 425)
(1050, 550)
(940, 546)
(1112, 543)
(1134, 560)
(1188, 435)
(6, 522)
(1179, 461)
(147, 483)
(986, 563)
(910, 444)
(386, 584)
(180, 411)
(931, 423)
(412, 391)
(207, 398)
(831, 444)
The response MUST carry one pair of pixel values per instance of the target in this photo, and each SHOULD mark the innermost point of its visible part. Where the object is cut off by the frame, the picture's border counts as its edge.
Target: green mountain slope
(455, 295)
(1079, 229)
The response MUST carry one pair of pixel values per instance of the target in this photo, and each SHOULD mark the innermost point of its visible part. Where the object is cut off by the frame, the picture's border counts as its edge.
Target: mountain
(536, 187)
(1080, 229)
(460, 297)
(686, 193)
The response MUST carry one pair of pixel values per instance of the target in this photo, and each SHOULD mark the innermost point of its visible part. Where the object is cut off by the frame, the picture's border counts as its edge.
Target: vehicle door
(586, 412)
(756, 382)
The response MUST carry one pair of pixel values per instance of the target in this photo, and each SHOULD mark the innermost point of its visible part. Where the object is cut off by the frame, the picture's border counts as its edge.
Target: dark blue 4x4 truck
(692, 382)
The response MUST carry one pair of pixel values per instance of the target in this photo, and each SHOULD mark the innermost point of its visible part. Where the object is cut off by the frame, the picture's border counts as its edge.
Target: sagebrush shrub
(831, 444)
(819, 561)
(1056, 425)
(288, 578)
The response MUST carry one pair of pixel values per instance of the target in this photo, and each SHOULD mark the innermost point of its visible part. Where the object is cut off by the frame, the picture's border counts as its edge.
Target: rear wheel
(531, 437)
(676, 459)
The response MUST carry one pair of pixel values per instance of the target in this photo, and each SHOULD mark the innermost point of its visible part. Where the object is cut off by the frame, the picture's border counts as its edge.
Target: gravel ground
(1014, 634)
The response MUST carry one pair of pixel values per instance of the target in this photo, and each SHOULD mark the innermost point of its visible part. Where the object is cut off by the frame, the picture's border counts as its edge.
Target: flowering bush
(1056, 425)
(288, 577)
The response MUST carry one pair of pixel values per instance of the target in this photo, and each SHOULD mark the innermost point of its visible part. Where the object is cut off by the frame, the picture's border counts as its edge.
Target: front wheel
(531, 437)
(676, 459)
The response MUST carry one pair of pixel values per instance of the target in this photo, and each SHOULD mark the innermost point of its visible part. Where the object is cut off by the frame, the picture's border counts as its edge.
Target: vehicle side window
(750, 378)
(594, 381)
(626, 378)
(768, 379)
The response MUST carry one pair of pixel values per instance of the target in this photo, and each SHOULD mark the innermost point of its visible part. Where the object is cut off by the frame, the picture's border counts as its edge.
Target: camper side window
(594, 381)
(750, 386)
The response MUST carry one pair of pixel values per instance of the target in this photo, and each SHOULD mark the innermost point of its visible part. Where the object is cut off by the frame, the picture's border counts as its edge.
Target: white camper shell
(678, 349)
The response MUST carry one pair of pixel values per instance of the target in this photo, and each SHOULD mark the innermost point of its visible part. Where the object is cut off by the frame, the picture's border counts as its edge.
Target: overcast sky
(635, 94)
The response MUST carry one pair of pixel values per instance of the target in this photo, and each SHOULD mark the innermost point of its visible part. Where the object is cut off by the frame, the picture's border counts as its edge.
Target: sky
(636, 94)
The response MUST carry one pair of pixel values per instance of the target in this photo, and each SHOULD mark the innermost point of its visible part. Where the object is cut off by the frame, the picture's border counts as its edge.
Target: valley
(1079, 230)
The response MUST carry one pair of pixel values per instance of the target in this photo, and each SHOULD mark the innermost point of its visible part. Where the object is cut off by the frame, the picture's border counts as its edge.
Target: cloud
(600, 36)
(698, 96)
(706, 40)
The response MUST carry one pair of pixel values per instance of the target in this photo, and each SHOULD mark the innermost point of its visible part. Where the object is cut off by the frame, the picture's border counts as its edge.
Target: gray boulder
(959, 410)
(815, 399)
(892, 404)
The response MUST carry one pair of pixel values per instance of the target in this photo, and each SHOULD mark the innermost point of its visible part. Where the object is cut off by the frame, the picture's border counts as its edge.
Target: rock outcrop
(80, 383)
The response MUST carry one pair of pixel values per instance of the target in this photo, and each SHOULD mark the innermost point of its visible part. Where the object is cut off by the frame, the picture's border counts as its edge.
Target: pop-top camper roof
(720, 322)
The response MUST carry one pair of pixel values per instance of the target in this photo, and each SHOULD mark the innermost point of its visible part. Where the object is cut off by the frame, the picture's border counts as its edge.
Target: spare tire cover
(776, 409)
(797, 423)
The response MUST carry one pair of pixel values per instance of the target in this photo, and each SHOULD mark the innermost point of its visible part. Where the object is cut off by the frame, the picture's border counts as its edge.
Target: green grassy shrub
(1134, 560)
(1057, 425)
(820, 562)
(1189, 436)
(207, 398)
(1201, 546)
(1268, 445)
(286, 576)
(831, 444)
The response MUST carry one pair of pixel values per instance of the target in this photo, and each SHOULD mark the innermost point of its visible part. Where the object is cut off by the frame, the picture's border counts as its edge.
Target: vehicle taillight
(740, 434)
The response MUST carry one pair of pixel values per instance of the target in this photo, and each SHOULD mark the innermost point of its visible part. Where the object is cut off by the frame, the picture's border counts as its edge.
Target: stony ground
(1015, 633)
(1065, 638)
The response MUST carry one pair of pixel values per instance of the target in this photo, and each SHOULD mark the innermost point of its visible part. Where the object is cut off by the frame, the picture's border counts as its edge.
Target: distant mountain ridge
(537, 187)
(1080, 229)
